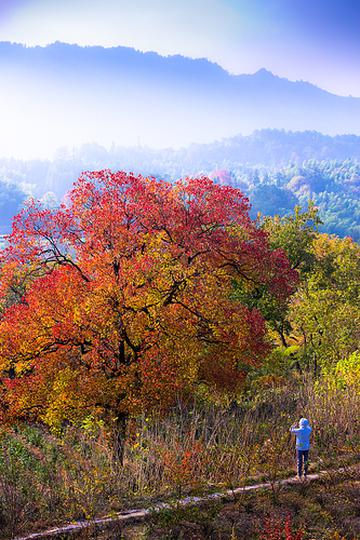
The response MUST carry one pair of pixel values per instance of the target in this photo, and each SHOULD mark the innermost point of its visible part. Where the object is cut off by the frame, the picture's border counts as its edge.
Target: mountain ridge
(65, 94)
(261, 72)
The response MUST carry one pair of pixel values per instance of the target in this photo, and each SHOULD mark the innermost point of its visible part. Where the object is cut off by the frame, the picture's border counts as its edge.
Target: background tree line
(275, 169)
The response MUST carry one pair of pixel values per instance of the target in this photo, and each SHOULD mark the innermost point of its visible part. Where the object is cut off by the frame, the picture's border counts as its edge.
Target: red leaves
(128, 285)
(181, 464)
(280, 529)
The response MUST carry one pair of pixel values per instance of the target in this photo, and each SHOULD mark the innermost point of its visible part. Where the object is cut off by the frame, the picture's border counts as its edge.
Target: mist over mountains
(275, 169)
(67, 95)
(263, 149)
(66, 108)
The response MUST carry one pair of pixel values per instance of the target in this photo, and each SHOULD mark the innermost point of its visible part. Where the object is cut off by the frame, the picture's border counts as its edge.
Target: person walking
(302, 434)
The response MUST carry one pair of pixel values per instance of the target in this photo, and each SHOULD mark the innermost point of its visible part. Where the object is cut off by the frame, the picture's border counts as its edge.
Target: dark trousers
(302, 457)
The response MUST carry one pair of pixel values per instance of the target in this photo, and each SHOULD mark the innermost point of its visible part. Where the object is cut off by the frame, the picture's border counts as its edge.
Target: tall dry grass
(46, 479)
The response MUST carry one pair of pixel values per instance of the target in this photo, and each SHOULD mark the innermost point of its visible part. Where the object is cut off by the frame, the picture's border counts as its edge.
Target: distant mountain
(64, 95)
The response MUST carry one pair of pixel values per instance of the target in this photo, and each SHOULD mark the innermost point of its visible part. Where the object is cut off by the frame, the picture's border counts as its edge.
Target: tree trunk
(315, 366)
(120, 437)
(282, 336)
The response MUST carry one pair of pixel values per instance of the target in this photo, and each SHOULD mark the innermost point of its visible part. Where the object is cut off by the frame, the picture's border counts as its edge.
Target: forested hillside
(275, 169)
(334, 186)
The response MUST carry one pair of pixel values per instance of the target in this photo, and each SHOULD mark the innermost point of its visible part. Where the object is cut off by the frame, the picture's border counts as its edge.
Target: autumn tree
(120, 299)
(325, 311)
(294, 234)
(319, 325)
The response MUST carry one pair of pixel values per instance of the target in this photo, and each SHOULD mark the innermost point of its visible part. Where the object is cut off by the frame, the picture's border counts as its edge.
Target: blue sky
(313, 40)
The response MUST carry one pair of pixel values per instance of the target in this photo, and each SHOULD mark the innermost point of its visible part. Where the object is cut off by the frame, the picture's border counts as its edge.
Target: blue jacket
(302, 433)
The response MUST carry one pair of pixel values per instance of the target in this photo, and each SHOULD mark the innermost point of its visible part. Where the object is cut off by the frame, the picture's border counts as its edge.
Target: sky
(313, 40)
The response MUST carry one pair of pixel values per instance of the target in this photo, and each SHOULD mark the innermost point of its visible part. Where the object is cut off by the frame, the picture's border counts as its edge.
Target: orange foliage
(119, 300)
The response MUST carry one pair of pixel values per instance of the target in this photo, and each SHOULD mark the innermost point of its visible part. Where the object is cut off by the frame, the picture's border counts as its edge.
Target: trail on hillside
(128, 517)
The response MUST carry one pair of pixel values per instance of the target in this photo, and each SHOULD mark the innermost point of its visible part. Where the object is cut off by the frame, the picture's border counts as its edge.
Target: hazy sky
(313, 40)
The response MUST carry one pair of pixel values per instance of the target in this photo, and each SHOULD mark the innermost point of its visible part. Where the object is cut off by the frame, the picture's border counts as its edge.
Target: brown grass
(47, 479)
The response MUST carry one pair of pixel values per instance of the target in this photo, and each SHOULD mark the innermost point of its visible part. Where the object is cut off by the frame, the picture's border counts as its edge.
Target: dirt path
(130, 516)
